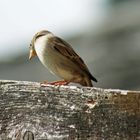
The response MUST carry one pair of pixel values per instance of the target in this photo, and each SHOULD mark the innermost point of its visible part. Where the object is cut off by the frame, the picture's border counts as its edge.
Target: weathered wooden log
(30, 111)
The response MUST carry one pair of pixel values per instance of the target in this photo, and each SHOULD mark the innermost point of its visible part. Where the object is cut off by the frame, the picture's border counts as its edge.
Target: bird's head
(32, 45)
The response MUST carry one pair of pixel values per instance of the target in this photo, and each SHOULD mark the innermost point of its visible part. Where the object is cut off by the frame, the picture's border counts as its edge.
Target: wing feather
(66, 50)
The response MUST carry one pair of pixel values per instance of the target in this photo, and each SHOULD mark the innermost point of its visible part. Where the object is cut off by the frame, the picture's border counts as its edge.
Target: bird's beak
(32, 54)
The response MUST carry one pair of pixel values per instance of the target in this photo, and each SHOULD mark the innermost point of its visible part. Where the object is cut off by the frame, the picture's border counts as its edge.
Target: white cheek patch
(41, 46)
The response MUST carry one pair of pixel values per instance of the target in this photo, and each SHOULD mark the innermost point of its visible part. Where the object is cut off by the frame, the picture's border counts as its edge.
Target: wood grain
(30, 111)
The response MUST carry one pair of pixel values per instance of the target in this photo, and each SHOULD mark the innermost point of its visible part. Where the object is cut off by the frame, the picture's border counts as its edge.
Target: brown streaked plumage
(60, 58)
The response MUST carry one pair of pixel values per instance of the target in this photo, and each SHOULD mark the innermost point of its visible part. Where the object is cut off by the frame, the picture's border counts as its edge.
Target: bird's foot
(56, 83)
(59, 83)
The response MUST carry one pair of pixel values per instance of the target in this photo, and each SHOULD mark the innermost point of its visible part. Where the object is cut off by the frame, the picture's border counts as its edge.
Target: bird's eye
(30, 46)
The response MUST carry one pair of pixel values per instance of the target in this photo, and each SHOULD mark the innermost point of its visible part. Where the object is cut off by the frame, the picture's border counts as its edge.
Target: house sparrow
(60, 58)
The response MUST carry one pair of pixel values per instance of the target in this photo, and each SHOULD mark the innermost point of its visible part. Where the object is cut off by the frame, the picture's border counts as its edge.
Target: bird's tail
(93, 78)
(86, 82)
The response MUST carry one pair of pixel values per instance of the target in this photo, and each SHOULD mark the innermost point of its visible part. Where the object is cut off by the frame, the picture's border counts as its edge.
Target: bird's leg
(61, 82)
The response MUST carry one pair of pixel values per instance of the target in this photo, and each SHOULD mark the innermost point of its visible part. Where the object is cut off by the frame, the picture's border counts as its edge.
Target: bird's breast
(45, 55)
(54, 61)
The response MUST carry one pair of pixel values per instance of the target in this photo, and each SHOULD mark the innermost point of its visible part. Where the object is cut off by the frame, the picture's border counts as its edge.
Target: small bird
(60, 58)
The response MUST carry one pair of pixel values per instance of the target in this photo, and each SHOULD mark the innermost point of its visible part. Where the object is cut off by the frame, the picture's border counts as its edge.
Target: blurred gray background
(105, 33)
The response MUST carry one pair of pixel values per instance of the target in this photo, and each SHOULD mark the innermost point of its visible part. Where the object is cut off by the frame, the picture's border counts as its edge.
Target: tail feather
(86, 82)
(93, 78)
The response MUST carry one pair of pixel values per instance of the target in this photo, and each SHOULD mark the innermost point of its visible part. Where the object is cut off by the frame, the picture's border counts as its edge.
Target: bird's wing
(66, 50)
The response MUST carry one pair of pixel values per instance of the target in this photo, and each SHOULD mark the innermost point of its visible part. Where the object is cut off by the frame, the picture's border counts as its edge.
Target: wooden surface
(30, 111)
